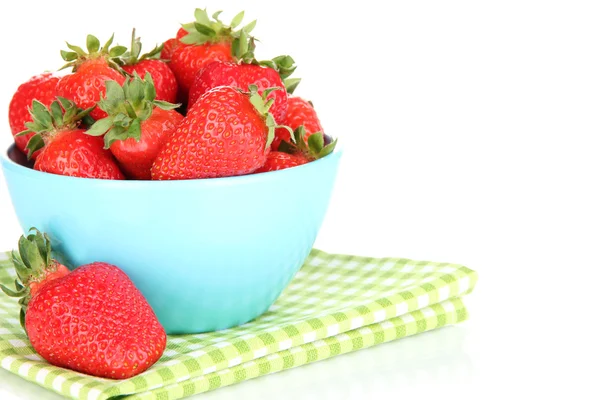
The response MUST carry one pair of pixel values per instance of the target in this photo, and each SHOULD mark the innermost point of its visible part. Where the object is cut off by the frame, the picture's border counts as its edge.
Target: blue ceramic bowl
(207, 254)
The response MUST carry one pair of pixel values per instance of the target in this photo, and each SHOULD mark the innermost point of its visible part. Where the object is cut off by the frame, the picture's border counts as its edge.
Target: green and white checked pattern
(336, 304)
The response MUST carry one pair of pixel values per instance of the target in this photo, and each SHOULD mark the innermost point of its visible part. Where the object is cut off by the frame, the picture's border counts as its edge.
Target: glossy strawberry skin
(241, 76)
(40, 87)
(73, 153)
(87, 84)
(277, 160)
(94, 320)
(168, 48)
(164, 79)
(187, 60)
(299, 112)
(222, 135)
(136, 158)
(170, 45)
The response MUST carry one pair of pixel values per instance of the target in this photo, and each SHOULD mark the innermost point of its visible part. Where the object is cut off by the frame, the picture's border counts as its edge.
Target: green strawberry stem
(33, 262)
(127, 107)
(313, 149)
(78, 56)
(262, 105)
(132, 56)
(243, 48)
(207, 29)
(46, 122)
(212, 30)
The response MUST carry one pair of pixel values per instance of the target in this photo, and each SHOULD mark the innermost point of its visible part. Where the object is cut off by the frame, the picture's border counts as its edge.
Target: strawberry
(41, 88)
(249, 71)
(227, 132)
(306, 146)
(163, 77)
(170, 44)
(299, 113)
(91, 320)
(65, 148)
(137, 124)
(85, 85)
(207, 40)
(277, 160)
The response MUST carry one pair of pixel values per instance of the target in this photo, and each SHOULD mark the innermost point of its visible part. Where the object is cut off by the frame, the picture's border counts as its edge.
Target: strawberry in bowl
(207, 217)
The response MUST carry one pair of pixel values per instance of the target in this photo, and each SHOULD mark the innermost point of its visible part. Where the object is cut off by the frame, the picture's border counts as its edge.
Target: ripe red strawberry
(137, 125)
(207, 40)
(85, 85)
(91, 320)
(277, 160)
(249, 71)
(163, 77)
(227, 132)
(65, 148)
(299, 112)
(41, 88)
(170, 44)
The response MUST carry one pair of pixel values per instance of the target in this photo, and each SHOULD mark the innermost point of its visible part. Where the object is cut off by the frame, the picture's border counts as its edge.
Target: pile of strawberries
(198, 106)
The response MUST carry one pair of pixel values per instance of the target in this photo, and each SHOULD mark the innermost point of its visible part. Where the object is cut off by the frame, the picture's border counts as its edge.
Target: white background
(469, 134)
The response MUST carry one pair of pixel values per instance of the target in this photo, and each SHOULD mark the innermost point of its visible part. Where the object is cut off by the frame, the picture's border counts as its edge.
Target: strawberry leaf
(116, 133)
(201, 16)
(44, 118)
(100, 127)
(211, 29)
(215, 16)
(10, 292)
(78, 50)
(57, 112)
(316, 142)
(108, 43)
(193, 38)
(291, 84)
(286, 147)
(92, 44)
(35, 143)
(165, 105)
(271, 124)
(250, 27)
(117, 51)
(114, 91)
(285, 65)
(327, 149)
(237, 20)
(205, 30)
(145, 112)
(68, 55)
(78, 56)
(127, 107)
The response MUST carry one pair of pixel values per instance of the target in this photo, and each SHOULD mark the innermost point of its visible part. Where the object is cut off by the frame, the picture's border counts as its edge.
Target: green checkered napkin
(336, 304)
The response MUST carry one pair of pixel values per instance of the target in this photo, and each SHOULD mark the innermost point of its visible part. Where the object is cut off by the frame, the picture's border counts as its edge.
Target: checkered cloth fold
(335, 304)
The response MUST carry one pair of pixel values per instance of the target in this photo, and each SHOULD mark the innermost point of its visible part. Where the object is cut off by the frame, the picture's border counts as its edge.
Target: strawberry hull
(201, 251)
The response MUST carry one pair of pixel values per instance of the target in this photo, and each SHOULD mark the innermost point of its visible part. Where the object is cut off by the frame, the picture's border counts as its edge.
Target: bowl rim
(8, 164)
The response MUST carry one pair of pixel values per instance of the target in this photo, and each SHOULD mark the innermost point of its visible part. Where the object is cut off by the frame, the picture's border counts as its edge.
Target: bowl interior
(18, 157)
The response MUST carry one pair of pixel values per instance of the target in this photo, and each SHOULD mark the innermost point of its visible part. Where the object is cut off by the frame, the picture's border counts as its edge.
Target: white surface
(468, 130)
